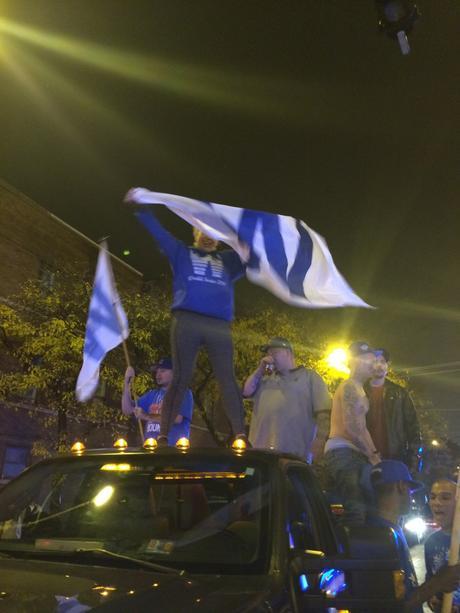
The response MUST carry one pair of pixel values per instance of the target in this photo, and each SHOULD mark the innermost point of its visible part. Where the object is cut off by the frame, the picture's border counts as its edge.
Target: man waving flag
(282, 254)
(107, 326)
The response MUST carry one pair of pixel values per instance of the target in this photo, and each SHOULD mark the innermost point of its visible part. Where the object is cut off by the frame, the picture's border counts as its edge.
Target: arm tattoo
(351, 401)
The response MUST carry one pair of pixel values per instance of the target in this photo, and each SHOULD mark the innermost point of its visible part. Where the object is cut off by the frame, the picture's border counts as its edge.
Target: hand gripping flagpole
(104, 245)
(454, 548)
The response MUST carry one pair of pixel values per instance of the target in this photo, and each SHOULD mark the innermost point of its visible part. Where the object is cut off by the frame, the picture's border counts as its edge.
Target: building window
(15, 461)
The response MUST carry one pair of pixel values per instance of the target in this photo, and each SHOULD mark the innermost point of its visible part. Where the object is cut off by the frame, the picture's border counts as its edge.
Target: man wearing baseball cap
(393, 486)
(350, 447)
(392, 418)
(149, 405)
(291, 403)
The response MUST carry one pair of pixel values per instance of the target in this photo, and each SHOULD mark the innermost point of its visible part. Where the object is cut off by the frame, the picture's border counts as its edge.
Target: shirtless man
(350, 446)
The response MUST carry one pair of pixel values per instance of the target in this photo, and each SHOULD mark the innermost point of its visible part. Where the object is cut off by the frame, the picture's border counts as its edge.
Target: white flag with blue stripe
(283, 254)
(106, 328)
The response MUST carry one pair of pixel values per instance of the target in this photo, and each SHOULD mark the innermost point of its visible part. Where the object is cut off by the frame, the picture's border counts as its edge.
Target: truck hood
(35, 586)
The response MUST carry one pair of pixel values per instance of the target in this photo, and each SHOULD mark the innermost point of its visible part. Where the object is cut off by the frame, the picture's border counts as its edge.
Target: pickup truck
(180, 530)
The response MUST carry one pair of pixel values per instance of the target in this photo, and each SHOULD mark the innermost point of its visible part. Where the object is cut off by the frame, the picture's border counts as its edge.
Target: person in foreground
(393, 485)
(437, 545)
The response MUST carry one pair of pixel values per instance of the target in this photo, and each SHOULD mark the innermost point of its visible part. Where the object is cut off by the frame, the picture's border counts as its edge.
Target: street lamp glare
(337, 360)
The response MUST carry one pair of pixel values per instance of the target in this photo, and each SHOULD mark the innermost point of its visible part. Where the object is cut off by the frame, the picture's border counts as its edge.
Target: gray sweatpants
(189, 332)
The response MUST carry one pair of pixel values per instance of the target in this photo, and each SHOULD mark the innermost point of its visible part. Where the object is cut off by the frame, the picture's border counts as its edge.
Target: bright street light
(337, 360)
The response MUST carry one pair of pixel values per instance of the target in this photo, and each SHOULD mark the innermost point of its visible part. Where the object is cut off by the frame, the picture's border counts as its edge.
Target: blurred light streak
(262, 96)
(443, 365)
(424, 310)
(81, 99)
(22, 67)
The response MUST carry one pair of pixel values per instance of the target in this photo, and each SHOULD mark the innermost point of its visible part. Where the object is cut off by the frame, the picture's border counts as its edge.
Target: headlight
(417, 525)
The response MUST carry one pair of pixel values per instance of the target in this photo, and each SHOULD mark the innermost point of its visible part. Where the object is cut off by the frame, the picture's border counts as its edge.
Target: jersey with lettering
(151, 403)
(202, 282)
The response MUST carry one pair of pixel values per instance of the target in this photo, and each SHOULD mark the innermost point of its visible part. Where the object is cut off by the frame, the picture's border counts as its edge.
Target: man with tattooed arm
(350, 447)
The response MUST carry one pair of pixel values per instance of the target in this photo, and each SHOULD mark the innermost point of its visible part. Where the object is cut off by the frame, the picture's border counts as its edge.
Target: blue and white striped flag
(283, 254)
(106, 328)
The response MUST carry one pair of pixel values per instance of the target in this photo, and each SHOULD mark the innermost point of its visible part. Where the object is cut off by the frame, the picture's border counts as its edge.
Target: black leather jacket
(404, 438)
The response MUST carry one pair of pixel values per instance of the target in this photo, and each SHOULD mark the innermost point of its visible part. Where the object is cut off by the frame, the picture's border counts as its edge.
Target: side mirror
(366, 576)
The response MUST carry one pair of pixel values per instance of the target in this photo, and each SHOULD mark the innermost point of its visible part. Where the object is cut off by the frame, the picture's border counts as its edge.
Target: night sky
(298, 107)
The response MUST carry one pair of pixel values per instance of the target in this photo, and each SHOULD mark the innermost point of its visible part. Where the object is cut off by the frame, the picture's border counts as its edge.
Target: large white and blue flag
(106, 328)
(282, 254)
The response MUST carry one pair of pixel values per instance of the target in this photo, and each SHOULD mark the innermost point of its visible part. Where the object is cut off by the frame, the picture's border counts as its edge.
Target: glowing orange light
(120, 443)
(150, 444)
(183, 443)
(117, 467)
(239, 444)
(77, 447)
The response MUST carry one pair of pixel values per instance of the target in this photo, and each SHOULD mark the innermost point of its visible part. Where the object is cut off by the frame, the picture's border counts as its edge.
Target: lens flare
(103, 496)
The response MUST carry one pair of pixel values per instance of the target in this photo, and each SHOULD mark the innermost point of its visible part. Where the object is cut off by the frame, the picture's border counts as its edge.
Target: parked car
(180, 530)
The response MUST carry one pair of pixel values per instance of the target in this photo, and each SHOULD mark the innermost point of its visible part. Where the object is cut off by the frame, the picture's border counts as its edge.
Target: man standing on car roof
(392, 419)
(350, 448)
(149, 406)
(202, 311)
(291, 403)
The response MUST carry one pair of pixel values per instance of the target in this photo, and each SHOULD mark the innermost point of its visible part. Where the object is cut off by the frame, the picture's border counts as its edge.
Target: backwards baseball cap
(165, 363)
(380, 351)
(392, 471)
(360, 348)
(277, 342)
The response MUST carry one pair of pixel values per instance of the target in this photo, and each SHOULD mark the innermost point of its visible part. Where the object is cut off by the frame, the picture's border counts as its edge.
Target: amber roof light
(150, 444)
(239, 444)
(78, 447)
(120, 444)
(183, 444)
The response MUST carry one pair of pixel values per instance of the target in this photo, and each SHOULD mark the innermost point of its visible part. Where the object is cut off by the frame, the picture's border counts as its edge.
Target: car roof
(205, 453)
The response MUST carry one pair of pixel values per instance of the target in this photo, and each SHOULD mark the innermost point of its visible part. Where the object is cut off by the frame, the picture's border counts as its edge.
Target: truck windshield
(195, 514)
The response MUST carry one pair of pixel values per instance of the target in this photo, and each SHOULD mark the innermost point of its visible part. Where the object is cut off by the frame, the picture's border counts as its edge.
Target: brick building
(33, 242)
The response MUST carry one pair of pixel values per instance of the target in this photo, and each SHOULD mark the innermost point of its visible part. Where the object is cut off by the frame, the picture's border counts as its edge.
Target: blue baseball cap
(360, 348)
(383, 352)
(392, 471)
(165, 363)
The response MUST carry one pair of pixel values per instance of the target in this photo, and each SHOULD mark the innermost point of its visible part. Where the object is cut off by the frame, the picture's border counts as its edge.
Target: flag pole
(104, 245)
(454, 548)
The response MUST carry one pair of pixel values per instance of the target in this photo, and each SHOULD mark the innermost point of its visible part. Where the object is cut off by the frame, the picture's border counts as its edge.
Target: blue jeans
(345, 467)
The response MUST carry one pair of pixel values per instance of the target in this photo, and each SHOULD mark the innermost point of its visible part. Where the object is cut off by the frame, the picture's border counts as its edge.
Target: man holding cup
(291, 403)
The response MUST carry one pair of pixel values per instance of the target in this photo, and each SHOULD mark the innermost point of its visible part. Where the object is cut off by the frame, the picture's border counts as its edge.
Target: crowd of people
(368, 433)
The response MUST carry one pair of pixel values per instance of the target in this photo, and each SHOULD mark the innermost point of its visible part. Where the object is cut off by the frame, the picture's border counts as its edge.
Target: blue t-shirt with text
(202, 282)
(437, 548)
(151, 402)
